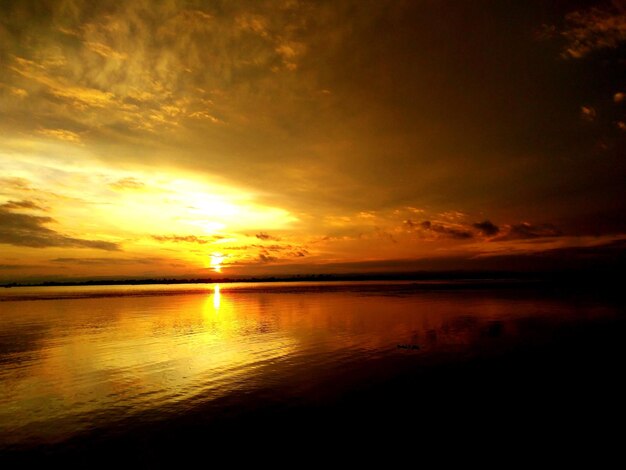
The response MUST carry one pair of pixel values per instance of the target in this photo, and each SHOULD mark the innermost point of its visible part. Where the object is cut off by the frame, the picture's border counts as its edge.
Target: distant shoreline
(566, 277)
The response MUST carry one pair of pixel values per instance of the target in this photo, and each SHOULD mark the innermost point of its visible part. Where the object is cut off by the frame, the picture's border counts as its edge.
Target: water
(82, 358)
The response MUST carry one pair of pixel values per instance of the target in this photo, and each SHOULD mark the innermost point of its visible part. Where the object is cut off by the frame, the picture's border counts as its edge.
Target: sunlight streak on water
(216, 297)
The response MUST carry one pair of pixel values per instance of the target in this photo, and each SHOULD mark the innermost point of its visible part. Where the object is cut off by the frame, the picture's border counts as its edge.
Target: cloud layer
(282, 132)
(31, 230)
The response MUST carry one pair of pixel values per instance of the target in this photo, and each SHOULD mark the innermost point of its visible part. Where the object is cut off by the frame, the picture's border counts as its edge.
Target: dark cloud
(487, 228)
(451, 232)
(612, 250)
(273, 247)
(408, 224)
(525, 231)
(385, 235)
(265, 257)
(592, 29)
(239, 247)
(186, 239)
(10, 205)
(271, 252)
(265, 236)
(104, 261)
(606, 258)
(29, 230)
(278, 248)
(588, 113)
(10, 267)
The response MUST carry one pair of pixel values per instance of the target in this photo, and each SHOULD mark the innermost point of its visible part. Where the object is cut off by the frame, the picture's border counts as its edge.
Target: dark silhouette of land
(593, 277)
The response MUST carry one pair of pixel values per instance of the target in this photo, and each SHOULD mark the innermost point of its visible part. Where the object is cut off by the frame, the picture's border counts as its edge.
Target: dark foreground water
(150, 374)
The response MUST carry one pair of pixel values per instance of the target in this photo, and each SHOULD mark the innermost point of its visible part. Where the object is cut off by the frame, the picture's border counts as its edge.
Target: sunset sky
(226, 138)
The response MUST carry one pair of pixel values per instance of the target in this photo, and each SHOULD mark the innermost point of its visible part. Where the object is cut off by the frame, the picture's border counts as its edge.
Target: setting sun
(216, 262)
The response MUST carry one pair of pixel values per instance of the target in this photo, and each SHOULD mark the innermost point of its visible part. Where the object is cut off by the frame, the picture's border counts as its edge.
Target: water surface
(82, 358)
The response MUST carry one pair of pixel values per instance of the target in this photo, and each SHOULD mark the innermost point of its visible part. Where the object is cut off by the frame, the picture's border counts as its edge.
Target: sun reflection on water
(217, 297)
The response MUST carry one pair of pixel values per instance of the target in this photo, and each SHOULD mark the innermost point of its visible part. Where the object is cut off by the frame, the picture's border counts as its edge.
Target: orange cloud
(595, 28)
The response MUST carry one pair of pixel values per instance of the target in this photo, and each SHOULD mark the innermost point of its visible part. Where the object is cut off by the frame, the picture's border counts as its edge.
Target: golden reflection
(171, 356)
(217, 297)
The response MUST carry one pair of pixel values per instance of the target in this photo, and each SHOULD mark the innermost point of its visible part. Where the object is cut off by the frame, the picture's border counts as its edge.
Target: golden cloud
(61, 134)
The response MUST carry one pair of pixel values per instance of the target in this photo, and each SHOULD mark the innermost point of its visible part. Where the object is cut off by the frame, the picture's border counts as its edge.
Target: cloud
(61, 134)
(452, 216)
(127, 183)
(19, 92)
(15, 184)
(409, 224)
(595, 28)
(487, 228)
(81, 97)
(288, 250)
(31, 231)
(104, 261)
(444, 230)
(105, 51)
(265, 236)
(205, 115)
(588, 113)
(12, 205)
(269, 253)
(274, 247)
(526, 231)
(604, 256)
(11, 267)
(265, 257)
(185, 239)
(287, 81)
(147, 66)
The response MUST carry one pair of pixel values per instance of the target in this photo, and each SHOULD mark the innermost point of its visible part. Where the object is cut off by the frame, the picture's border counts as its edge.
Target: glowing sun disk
(216, 262)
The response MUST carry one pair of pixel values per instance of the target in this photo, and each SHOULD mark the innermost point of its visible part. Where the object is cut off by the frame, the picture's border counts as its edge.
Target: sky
(183, 138)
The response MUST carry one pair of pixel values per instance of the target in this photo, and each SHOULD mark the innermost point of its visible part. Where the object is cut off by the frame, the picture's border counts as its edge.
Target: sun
(216, 262)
